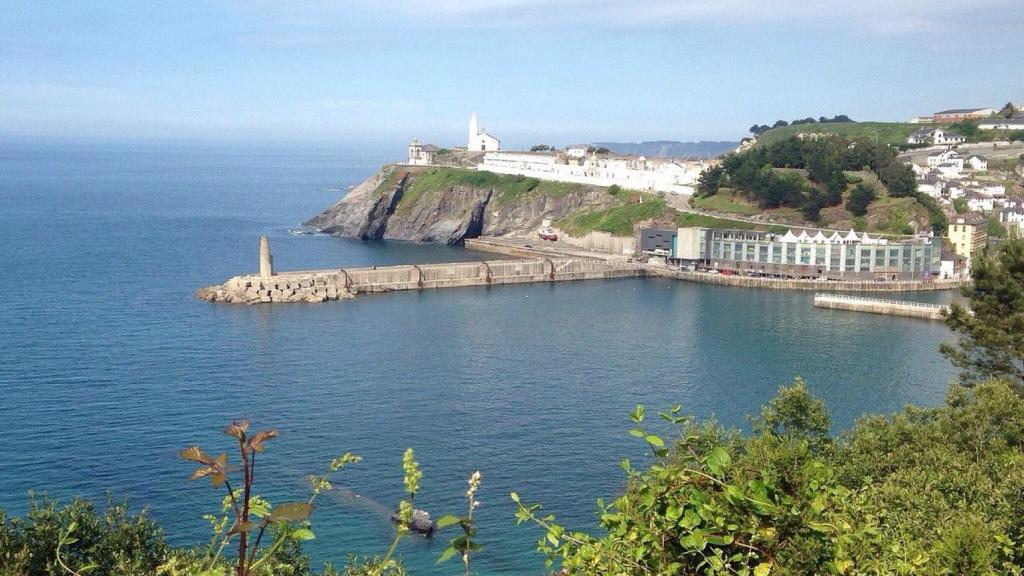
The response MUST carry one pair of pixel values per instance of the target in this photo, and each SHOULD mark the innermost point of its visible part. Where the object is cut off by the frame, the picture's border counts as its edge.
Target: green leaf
(303, 534)
(446, 521)
(717, 460)
(764, 569)
(446, 554)
(638, 414)
(655, 441)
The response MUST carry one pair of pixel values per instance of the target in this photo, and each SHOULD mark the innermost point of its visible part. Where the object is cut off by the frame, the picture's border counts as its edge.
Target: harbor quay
(530, 264)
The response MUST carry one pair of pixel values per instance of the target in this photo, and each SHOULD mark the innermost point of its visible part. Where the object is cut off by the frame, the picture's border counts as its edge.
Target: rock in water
(420, 523)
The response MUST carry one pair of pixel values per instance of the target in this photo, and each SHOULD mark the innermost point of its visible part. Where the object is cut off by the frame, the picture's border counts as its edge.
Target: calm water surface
(108, 365)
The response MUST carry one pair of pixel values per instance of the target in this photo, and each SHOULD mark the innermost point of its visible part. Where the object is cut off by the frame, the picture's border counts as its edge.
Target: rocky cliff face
(380, 208)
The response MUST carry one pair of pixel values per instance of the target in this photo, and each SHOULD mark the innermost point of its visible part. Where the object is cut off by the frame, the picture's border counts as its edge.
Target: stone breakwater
(343, 283)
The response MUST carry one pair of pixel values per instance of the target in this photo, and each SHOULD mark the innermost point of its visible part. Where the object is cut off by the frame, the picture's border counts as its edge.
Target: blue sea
(109, 365)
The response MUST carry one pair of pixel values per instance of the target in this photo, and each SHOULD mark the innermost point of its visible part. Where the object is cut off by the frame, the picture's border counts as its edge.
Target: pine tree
(991, 333)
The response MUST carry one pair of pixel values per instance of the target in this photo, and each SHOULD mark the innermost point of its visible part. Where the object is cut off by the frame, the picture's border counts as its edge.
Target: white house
(930, 185)
(952, 265)
(921, 136)
(935, 159)
(954, 190)
(993, 190)
(577, 150)
(940, 136)
(1002, 124)
(421, 154)
(1011, 216)
(978, 162)
(979, 203)
(935, 136)
(479, 139)
(950, 169)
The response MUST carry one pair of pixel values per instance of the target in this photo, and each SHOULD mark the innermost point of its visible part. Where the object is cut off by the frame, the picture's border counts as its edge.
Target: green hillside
(887, 132)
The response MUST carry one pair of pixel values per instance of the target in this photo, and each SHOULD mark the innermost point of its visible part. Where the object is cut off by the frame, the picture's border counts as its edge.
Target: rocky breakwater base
(311, 287)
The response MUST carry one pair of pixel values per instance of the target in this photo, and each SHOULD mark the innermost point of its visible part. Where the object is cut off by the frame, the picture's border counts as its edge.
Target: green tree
(990, 332)
(860, 198)
(710, 181)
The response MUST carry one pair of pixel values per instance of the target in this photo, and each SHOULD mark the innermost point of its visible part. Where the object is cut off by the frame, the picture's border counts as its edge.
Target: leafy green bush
(929, 491)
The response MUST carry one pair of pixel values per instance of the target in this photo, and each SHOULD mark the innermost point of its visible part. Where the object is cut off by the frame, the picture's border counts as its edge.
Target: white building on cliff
(479, 139)
(631, 172)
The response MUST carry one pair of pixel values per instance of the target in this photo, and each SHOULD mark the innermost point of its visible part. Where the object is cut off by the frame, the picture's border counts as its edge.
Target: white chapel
(479, 139)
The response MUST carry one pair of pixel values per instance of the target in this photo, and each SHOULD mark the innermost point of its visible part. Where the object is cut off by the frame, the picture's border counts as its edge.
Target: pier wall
(815, 285)
(879, 306)
(323, 285)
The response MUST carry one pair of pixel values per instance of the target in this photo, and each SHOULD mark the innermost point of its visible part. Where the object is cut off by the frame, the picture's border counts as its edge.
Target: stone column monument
(266, 260)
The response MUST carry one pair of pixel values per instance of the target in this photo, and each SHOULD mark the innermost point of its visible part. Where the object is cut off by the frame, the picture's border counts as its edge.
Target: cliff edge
(444, 204)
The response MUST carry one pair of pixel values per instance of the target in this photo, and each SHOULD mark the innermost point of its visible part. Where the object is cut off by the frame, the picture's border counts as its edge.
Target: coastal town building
(969, 236)
(479, 139)
(952, 265)
(799, 253)
(630, 172)
(980, 203)
(938, 136)
(931, 185)
(960, 114)
(978, 163)
(1013, 219)
(948, 157)
(1002, 124)
(421, 154)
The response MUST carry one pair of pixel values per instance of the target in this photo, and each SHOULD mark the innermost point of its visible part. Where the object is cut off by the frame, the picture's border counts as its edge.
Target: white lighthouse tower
(474, 130)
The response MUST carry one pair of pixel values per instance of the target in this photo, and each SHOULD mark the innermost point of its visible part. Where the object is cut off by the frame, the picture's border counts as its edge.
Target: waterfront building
(479, 139)
(801, 253)
(969, 235)
(952, 265)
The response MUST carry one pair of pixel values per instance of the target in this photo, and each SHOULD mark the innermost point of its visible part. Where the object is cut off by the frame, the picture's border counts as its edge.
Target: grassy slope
(726, 201)
(508, 188)
(619, 220)
(888, 132)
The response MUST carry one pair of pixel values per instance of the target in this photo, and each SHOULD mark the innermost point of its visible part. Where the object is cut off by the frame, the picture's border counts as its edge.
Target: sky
(534, 71)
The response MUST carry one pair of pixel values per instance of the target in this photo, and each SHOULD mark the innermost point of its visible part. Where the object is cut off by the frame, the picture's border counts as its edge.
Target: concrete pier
(879, 306)
(341, 283)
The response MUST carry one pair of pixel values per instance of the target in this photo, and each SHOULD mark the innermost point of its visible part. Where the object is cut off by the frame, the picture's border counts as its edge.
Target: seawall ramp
(879, 306)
